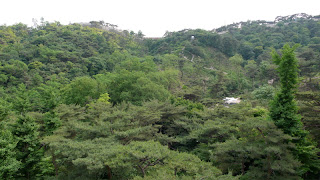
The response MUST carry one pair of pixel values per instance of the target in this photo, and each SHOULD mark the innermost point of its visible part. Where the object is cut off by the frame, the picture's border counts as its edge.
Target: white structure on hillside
(231, 100)
(270, 82)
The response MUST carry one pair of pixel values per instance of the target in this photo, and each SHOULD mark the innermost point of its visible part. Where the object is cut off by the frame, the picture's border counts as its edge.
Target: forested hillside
(88, 101)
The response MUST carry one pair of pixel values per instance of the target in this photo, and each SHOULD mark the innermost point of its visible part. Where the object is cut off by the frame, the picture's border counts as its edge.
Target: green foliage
(135, 87)
(109, 104)
(12, 71)
(21, 102)
(236, 60)
(35, 65)
(50, 122)
(260, 152)
(122, 124)
(267, 70)
(81, 91)
(309, 109)
(259, 112)
(104, 98)
(191, 106)
(284, 111)
(9, 165)
(237, 82)
(28, 147)
(49, 95)
(5, 108)
(265, 92)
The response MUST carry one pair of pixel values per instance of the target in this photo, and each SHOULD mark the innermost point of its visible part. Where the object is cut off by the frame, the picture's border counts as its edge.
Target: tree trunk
(55, 164)
(109, 172)
(242, 167)
(142, 170)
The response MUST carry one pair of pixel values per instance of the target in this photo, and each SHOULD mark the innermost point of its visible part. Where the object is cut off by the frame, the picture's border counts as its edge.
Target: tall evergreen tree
(284, 110)
(28, 147)
(8, 163)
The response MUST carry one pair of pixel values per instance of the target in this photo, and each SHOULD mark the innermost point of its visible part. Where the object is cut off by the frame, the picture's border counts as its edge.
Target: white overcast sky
(153, 17)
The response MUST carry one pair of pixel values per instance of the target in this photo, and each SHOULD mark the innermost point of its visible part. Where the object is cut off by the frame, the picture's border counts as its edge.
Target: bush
(264, 92)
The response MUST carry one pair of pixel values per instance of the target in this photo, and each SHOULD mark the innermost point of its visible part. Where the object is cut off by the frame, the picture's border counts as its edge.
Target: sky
(153, 17)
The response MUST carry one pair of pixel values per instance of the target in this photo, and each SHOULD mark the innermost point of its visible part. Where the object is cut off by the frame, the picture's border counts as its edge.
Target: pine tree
(28, 148)
(284, 110)
(8, 163)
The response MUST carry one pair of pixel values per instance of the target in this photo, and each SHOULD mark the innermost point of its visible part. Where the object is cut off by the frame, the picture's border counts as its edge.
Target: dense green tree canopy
(89, 101)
